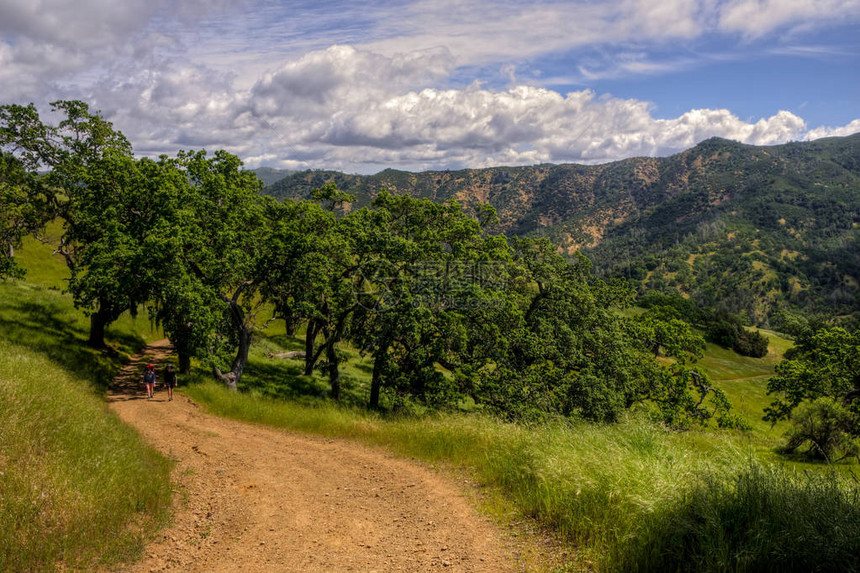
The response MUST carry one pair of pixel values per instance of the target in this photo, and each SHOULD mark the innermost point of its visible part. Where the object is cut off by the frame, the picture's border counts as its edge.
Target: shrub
(823, 429)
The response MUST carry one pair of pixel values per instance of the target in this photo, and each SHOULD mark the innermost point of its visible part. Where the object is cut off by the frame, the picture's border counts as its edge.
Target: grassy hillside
(77, 487)
(744, 380)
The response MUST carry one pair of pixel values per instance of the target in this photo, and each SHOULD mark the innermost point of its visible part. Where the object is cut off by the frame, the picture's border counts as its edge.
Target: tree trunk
(228, 379)
(380, 361)
(375, 386)
(241, 359)
(184, 362)
(182, 343)
(333, 369)
(286, 312)
(244, 332)
(310, 339)
(98, 322)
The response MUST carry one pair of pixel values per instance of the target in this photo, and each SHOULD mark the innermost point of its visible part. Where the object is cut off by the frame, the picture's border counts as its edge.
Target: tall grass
(77, 487)
(630, 496)
(760, 519)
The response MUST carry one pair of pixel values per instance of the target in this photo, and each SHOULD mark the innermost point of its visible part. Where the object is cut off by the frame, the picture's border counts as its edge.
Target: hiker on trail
(149, 379)
(169, 381)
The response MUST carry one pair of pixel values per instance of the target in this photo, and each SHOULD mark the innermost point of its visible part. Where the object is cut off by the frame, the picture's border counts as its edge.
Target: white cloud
(755, 18)
(481, 32)
(850, 129)
(326, 79)
(176, 105)
(345, 106)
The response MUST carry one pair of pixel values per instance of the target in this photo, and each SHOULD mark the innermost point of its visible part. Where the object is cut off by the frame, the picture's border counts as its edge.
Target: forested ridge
(760, 231)
(449, 310)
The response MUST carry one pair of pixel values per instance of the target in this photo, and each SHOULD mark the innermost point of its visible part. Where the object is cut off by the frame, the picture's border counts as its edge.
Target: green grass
(282, 378)
(44, 268)
(759, 519)
(78, 488)
(744, 380)
(723, 364)
(45, 322)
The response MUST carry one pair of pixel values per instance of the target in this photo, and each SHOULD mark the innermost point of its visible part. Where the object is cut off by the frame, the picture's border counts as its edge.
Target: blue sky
(440, 84)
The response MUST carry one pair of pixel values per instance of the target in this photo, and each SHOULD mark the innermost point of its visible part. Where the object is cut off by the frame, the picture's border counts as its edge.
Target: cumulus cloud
(850, 129)
(393, 96)
(352, 106)
(174, 106)
(340, 74)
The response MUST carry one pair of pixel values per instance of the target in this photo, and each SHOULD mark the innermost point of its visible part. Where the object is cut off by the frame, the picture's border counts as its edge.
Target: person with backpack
(149, 379)
(169, 381)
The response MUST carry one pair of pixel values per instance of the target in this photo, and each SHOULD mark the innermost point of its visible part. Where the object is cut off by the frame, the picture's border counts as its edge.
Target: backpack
(149, 377)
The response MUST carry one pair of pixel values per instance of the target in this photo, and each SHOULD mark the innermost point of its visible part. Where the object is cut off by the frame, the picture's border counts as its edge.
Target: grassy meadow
(78, 488)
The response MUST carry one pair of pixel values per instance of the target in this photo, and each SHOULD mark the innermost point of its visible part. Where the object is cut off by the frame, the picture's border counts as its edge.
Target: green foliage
(561, 350)
(823, 372)
(209, 242)
(685, 397)
(448, 312)
(826, 428)
(661, 328)
(422, 289)
(825, 365)
(23, 210)
(92, 167)
(727, 331)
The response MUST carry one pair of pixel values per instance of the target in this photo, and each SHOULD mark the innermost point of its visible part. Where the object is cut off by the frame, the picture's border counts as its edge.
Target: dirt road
(250, 498)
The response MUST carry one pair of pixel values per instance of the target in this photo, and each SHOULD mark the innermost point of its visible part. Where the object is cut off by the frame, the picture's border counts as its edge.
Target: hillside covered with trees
(763, 232)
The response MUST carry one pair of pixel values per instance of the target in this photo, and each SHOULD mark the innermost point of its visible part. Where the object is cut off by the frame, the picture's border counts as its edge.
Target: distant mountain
(269, 175)
(755, 230)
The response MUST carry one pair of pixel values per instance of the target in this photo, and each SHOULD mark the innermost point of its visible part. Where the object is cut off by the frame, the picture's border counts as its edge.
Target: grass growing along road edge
(612, 491)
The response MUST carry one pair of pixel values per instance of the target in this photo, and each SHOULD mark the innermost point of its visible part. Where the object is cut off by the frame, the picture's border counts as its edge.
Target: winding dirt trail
(255, 499)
